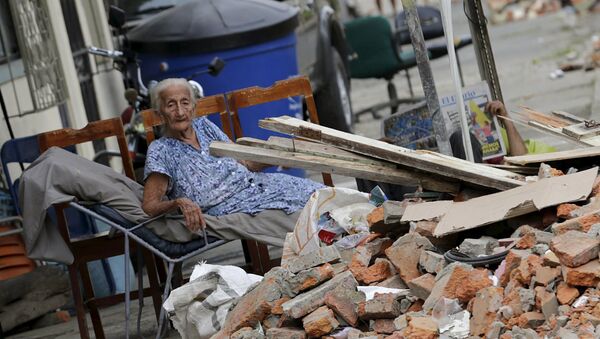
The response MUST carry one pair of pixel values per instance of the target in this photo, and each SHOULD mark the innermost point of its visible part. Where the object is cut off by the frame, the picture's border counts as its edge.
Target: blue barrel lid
(213, 25)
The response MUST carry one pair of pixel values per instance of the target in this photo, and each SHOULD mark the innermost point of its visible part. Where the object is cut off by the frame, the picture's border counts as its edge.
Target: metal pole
(440, 122)
(483, 47)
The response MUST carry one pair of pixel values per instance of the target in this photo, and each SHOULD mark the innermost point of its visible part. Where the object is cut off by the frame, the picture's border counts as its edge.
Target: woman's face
(176, 107)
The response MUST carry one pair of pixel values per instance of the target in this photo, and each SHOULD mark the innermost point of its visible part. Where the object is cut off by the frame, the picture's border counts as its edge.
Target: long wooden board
(430, 162)
(337, 166)
(588, 152)
(311, 148)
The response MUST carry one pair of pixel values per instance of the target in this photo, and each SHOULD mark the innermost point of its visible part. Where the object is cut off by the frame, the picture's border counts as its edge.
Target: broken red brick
(405, 253)
(575, 248)
(374, 273)
(531, 320)
(421, 327)
(564, 210)
(585, 275)
(311, 277)
(343, 302)
(464, 284)
(320, 322)
(527, 269)
(421, 287)
(545, 275)
(285, 333)
(485, 308)
(513, 260)
(528, 240)
(382, 306)
(376, 216)
(385, 326)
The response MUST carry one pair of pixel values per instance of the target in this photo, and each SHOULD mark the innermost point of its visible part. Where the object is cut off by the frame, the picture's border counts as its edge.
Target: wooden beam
(426, 161)
(336, 166)
(311, 148)
(589, 152)
(580, 131)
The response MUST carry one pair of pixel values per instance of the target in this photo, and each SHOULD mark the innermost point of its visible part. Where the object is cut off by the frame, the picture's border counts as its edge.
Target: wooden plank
(525, 170)
(568, 116)
(588, 152)
(426, 161)
(580, 131)
(337, 166)
(499, 206)
(311, 148)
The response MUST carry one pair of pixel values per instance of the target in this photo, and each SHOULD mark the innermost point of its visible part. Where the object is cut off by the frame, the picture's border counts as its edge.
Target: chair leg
(265, 260)
(78, 300)
(162, 315)
(90, 302)
(410, 88)
(255, 262)
(151, 271)
(393, 96)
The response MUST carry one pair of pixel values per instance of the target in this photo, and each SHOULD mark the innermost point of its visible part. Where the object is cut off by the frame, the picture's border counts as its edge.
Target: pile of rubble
(399, 284)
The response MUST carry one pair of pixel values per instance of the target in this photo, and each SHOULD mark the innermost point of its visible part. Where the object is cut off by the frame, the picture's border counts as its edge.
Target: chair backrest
(204, 106)
(431, 24)
(246, 97)
(96, 130)
(372, 40)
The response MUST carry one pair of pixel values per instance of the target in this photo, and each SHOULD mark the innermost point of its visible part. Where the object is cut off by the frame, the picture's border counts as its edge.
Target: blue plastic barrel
(255, 38)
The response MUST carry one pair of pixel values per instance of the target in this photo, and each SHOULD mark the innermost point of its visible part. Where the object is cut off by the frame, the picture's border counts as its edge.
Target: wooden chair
(255, 253)
(100, 245)
(251, 96)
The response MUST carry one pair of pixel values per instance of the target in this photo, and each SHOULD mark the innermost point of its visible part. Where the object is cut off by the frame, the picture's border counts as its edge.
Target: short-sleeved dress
(222, 186)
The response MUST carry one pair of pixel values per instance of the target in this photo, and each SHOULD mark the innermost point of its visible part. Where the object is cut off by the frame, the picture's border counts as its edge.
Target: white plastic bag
(198, 308)
(305, 238)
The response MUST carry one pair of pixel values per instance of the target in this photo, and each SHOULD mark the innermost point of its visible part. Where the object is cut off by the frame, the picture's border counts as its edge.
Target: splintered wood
(450, 168)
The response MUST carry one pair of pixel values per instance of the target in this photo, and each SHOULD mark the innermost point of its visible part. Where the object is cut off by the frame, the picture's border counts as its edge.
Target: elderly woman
(229, 197)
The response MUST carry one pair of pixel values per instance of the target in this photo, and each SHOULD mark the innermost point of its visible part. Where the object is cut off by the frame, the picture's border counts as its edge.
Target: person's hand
(496, 107)
(194, 220)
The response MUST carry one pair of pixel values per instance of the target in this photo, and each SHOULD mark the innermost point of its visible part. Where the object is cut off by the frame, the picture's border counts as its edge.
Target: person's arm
(517, 146)
(153, 204)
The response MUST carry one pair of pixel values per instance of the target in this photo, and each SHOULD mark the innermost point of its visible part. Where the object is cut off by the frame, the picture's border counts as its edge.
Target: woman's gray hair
(164, 84)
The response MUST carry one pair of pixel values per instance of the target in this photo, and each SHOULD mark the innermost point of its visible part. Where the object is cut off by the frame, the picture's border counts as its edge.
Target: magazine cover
(483, 125)
(411, 127)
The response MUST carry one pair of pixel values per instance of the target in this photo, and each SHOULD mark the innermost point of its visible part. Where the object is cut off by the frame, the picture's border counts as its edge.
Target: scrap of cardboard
(459, 216)
(518, 201)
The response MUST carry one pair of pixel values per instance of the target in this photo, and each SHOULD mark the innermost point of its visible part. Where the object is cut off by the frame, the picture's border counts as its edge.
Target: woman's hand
(194, 219)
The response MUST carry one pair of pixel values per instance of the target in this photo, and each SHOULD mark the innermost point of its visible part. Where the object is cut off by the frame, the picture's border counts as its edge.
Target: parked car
(322, 51)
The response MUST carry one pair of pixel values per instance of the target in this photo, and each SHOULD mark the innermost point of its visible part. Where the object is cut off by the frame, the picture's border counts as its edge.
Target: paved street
(525, 52)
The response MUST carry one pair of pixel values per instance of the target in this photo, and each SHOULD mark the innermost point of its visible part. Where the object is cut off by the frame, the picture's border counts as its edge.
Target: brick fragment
(531, 320)
(585, 275)
(382, 306)
(405, 253)
(458, 281)
(309, 301)
(343, 302)
(255, 305)
(549, 305)
(545, 275)
(285, 333)
(421, 287)
(378, 246)
(526, 241)
(513, 260)
(375, 217)
(432, 262)
(271, 321)
(425, 227)
(564, 210)
(575, 248)
(485, 307)
(320, 322)
(375, 273)
(311, 277)
(383, 326)
(582, 223)
(550, 259)
(277, 309)
(327, 254)
(422, 327)
(526, 269)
